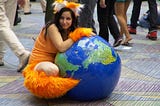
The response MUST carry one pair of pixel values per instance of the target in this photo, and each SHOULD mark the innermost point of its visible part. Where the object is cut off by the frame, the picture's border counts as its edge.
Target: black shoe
(1, 63)
(18, 20)
(33, 0)
(127, 44)
(27, 13)
(117, 42)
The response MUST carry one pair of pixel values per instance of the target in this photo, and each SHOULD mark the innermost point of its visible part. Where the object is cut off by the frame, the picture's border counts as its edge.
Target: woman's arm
(57, 40)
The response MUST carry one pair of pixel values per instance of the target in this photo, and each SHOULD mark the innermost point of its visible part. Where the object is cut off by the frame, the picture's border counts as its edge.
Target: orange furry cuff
(46, 87)
(79, 33)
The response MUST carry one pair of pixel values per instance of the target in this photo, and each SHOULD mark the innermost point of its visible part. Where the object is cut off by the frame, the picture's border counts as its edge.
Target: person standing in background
(106, 19)
(86, 16)
(7, 36)
(43, 5)
(49, 11)
(17, 18)
(121, 7)
(152, 31)
(27, 7)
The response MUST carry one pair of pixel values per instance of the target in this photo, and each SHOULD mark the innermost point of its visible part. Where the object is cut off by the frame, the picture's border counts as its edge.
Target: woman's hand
(92, 34)
(102, 4)
(81, 32)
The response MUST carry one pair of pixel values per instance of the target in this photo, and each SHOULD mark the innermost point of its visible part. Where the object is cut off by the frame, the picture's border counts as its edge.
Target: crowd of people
(107, 12)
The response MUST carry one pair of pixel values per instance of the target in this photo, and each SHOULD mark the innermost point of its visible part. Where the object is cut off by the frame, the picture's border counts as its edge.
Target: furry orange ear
(44, 86)
(76, 7)
(59, 4)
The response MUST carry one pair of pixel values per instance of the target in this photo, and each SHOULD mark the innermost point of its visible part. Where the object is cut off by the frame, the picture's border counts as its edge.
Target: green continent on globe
(65, 65)
(103, 53)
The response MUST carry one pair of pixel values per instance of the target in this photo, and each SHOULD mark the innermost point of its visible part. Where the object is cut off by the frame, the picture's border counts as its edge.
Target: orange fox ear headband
(75, 7)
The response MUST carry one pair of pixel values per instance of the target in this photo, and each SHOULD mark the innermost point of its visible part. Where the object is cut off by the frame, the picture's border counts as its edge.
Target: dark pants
(152, 17)
(49, 11)
(107, 20)
(16, 16)
(86, 15)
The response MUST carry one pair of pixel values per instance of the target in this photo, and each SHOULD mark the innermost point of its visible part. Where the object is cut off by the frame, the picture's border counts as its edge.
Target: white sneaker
(1, 62)
(23, 60)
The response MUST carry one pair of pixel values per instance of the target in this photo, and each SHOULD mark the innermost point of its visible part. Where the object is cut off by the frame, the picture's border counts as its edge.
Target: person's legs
(112, 24)
(10, 10)
(152, 34)
(27, 7)
(102, 15)
(113, 28)
(17, 18)
(121, 16)
(86, 16)
(127, 3)
(135, 16)
(43, 5)
(153, 14)
(11, 16)
(135, 13)
(9, 37)
(49, 11)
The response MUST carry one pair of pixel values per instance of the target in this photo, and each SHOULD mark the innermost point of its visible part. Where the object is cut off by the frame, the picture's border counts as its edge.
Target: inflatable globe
(95, 63)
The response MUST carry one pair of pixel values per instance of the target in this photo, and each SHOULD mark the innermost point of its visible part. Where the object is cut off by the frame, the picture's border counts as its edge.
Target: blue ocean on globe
(95, 63)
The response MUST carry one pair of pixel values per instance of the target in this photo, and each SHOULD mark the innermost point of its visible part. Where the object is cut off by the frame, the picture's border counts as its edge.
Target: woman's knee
(48, 67)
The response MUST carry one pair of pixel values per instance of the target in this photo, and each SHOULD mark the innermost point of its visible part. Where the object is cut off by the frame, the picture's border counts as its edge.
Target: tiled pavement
(139, 84)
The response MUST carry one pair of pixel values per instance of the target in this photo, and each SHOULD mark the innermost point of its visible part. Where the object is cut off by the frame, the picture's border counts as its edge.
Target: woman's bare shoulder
(53, 26)
(52, 29)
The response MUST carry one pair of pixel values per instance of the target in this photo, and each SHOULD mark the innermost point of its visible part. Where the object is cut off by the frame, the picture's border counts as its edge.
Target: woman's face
(65, 20)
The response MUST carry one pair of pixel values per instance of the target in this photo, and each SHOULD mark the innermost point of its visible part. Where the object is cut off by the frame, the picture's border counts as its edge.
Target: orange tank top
(43, 49)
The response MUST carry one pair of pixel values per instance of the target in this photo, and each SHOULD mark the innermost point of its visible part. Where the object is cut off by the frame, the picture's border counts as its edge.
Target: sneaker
(23, 61)
(152, 35)
(132, 30)
(117, 42)
(1, 62)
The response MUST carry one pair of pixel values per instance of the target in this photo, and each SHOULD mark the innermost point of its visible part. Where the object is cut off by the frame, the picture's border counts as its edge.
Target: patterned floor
(139, 84)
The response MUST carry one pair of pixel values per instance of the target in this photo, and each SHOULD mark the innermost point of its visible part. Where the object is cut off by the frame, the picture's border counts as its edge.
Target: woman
(41, 74)
(121, 7)
(49, 15)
